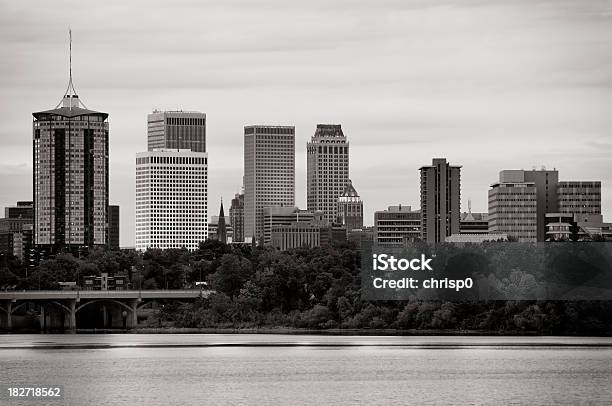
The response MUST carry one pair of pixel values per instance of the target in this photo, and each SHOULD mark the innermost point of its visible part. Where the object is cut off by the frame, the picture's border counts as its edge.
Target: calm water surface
(135, 369)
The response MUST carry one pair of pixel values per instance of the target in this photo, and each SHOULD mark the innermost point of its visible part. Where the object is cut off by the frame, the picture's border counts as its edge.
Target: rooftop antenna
(470, 206)
(70, 83)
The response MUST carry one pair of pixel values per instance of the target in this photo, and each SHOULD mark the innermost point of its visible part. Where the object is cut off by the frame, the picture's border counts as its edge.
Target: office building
(513, 207)
(397, 225)
(176, 130)
(473, 223)
(70, 176)
(474, 228)
(440, 200)
(306, 234)
(113, 227)
(350, 208)
(236, 214)
(579, 197)
(16, 231)
(23, 209)
(327, 169)
(269, 174)
(284, 216)
(171, 199)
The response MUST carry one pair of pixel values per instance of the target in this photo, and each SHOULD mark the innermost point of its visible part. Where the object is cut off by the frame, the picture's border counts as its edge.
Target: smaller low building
(476, 238)
(105, 282)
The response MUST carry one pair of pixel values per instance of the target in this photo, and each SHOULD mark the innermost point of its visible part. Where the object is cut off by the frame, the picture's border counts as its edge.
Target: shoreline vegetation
(301, 291)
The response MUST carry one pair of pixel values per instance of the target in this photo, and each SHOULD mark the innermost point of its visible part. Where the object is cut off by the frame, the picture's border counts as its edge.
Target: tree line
(314, 288)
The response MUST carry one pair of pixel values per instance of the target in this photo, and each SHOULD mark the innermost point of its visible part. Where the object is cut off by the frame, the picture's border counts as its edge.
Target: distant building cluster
(70, 208)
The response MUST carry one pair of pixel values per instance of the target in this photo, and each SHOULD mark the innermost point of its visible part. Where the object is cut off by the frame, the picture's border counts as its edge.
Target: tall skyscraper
(327, 169)
(269, 174)
(171, 199)
(440, 200)
(70, 175)
(236, 213)
(545, 182)
(513, 208)
(177, 130)
(350, 208)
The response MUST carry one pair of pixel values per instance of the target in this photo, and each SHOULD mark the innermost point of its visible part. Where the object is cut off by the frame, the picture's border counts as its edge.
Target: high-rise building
(545, 182)
(176, 130)
(70, 175)
(440, 200)
(397, 225)
(579, 197)
(236, 214)
(350, 208)
(269, 174)
(513, 207)
(327, 169)
(171, 199)
(113, 227)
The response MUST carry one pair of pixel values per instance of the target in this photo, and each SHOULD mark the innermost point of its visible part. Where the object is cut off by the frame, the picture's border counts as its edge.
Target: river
(219, 369)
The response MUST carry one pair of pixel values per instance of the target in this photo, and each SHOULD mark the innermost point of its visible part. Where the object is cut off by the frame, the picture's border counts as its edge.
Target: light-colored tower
(327, 169)
(70, 174)
(513, 207)
(269, 174)
(440, 200)
(350, 208)
(176, 130)
(171, 199)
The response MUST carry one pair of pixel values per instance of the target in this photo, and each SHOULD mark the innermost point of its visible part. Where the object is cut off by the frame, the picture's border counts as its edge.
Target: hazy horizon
(490, 85)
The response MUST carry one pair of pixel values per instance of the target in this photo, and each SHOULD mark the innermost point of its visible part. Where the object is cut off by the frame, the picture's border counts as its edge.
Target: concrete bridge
(59, 308)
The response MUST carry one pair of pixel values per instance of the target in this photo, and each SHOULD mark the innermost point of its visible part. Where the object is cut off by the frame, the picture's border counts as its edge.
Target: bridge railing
(101, 294)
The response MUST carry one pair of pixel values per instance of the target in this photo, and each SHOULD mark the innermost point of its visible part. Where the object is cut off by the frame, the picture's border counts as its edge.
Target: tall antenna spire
(70, 34)
(70, 99)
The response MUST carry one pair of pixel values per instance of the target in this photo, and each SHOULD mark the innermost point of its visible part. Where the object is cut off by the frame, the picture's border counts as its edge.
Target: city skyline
(402, 116)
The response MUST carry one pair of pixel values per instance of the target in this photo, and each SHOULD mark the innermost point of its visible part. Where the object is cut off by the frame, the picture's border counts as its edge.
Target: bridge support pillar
(43, 318)
(73, 316)
(9, 316)
(134, 312)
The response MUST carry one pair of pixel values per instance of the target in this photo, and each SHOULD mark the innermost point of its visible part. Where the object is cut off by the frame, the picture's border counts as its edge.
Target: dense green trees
(306, 288)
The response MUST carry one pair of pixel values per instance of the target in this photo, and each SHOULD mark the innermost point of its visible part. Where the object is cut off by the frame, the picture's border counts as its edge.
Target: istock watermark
(488, 271)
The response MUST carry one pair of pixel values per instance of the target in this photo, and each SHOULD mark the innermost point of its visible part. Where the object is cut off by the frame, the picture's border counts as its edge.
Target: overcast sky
(488, 84)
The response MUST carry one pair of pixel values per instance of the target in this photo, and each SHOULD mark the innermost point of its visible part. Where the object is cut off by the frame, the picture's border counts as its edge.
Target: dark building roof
(330, 130)
(68, 113)
(349, 191)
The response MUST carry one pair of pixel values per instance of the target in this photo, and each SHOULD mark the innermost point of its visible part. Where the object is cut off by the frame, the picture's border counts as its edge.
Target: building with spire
(221, 231)
(327, 163)
(70, 177)
(349, 208)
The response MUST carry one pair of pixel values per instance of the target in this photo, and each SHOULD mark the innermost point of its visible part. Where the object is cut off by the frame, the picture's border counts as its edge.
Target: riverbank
(299, 331)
